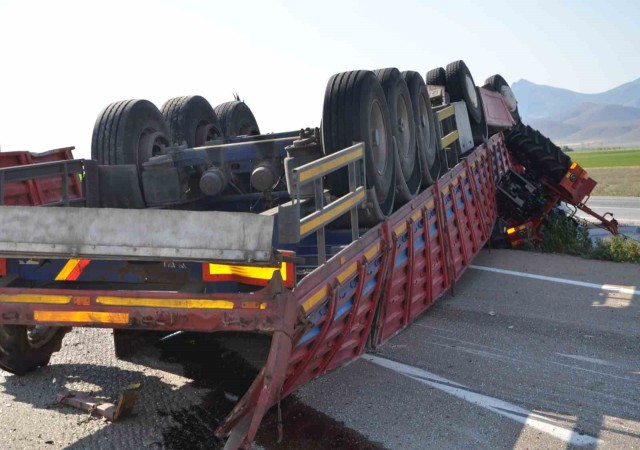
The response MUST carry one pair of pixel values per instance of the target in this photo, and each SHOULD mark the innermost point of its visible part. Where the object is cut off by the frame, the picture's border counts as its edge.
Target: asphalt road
(626, 210)
(509, 361)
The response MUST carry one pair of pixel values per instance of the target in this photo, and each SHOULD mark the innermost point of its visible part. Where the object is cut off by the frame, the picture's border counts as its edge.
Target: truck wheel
(403, 129)
(498, 84)
(426, 136)
(479, 130)
(191, 120)
(25, 348)
(128, 132)
(237, 119)
(461, 86)
(437, 77)
(355, 110)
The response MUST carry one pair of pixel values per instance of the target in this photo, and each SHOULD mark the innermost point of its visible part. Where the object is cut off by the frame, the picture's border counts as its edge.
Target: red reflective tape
(3, 267)
(77, 270)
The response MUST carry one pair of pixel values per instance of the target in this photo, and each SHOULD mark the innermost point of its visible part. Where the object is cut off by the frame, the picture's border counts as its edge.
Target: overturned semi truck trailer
(329, 240)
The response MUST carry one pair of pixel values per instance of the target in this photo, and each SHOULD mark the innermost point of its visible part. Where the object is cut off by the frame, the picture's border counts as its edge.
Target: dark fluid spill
(212, 364)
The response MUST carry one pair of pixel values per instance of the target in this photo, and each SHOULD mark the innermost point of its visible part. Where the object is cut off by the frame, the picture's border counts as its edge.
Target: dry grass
(616, 181)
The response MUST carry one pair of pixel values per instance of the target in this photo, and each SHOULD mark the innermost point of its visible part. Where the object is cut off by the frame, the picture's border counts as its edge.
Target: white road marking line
(506, 409)
(602, 287)
(587, 359)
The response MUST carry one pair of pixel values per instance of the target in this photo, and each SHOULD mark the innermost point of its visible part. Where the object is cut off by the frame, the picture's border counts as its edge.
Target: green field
(607, 158)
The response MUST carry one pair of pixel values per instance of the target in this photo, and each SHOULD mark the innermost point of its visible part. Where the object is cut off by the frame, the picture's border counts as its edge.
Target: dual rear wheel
(391, 113)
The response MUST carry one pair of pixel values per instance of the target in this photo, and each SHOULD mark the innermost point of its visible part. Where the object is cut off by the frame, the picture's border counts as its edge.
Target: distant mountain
(567, 117)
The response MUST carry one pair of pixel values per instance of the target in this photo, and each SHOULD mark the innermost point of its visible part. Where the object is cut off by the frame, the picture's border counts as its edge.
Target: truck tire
(128, 132)
(536, 152)
(191, 120)
(25, 348)
(460, 86)
(355, 110)
(479, 130)
(403, 128)
(498, 84)
(426, 136)
(437, 77)
(236, 119)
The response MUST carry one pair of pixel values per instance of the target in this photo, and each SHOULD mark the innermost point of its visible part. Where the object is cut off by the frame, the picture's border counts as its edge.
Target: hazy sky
(63, 61)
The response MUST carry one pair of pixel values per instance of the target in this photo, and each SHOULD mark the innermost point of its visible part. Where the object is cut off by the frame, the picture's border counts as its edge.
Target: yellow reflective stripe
(342, 276)
(80, 317)
(35, 298)
(328, 216)
(315, 298)
(67, 269)
(347, 273)
(186, 303)
(449, 139)
(261, 273)
(330, 165)
(445, 113)
(373, 251)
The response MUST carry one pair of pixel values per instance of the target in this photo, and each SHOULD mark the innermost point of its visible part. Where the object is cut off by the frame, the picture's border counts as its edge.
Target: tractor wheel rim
(471, 90)
(509, 98)
(39, 335)
(378, 135)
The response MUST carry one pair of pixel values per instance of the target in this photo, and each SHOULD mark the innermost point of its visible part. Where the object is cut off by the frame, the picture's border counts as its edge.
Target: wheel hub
(206, 132)
(378, 138)
(151, 143)
(39, 335)
(509, 98)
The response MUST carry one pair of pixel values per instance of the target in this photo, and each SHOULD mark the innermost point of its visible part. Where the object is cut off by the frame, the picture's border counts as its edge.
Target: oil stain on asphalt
(212, 364)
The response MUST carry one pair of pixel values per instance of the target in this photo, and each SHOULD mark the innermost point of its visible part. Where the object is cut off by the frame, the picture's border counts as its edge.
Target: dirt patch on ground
(616, 181)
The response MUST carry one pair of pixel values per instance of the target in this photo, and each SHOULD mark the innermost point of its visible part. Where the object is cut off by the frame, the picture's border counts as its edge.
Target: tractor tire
(460, 86)
(536, 152)
(403, 128)
(355, 110)
(498, 84)
(129, 132)
(430, 158)
(22, 350)
(191, 121)
(237, 119)
(437, 77)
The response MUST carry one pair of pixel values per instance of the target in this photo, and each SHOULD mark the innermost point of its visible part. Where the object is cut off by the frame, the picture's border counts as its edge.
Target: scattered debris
(123, 407)
(492, 313)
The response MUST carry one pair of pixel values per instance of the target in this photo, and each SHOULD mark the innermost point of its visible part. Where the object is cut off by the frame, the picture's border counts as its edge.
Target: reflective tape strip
(341, 277)
(250, 274)
(317, 220)
(449, 139)
(445, 113)
(176, 303)
(80, 317)
(315, 298)
(329, 166)
(35, 298)
(72, 269)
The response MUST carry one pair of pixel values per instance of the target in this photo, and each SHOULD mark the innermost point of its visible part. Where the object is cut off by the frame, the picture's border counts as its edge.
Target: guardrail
(314, 172)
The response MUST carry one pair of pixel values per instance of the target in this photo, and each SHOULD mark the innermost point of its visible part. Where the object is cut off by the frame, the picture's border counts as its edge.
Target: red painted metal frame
(367, 293)
(38, 191)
